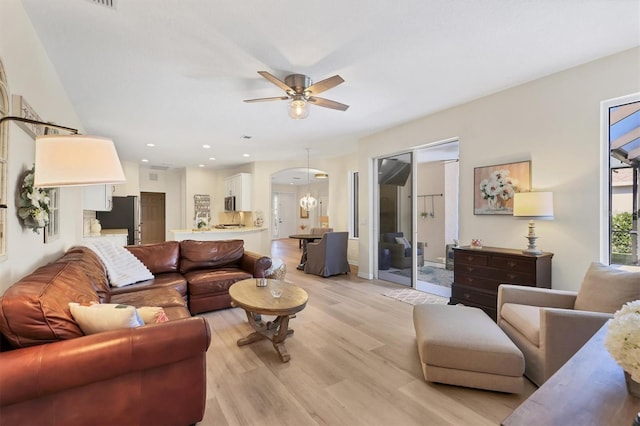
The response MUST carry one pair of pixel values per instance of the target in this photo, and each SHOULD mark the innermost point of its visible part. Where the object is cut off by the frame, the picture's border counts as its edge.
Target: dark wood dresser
(477, 273)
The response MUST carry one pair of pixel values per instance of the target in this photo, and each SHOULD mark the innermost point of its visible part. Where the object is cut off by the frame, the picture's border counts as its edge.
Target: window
(622, 123)
(4, 110)
(52, 230)
(354, 185)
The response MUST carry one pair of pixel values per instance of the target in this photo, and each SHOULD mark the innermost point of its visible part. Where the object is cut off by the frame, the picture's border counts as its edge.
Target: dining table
(305, 238)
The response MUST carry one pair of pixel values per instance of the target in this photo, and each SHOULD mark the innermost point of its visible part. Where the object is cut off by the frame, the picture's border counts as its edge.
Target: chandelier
(308, 202)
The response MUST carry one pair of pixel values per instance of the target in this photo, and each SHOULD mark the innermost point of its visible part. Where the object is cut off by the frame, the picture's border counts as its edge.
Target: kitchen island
(255, 239)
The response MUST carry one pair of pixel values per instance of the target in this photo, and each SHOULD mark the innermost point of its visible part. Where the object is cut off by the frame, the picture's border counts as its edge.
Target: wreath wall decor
(33, 205)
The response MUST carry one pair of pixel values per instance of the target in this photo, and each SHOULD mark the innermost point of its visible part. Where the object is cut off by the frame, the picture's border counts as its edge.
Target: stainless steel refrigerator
(125, 214)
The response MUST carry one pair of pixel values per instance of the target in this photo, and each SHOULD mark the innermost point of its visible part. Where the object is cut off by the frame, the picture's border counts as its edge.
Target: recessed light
(206, 146)
(200, 165)
(144, 160)
(151, 144)
(246, 155)
(212, 158)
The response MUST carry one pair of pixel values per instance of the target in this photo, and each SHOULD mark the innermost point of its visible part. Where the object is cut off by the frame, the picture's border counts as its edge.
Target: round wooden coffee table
(257, 301)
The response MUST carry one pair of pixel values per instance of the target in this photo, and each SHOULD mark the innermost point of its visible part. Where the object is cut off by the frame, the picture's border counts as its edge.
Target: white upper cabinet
(239, 186)
(98, 197)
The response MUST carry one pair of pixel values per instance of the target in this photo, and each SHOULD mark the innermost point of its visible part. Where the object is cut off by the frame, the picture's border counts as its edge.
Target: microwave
(230, 204)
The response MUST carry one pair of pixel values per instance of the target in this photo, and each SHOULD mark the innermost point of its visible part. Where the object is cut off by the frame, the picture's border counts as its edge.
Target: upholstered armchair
(549, 326)
(329, 255)
(400, 251)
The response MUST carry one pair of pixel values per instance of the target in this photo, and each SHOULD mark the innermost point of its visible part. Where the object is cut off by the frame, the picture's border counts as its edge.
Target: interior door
(285, 214)
(153, 228)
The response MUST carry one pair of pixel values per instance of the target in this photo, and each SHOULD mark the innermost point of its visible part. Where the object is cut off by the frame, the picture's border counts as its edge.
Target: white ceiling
(175, 72)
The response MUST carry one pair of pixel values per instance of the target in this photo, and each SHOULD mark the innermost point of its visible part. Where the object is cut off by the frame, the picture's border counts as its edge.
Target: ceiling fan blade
(276, 98)
(325, 84)
(327, 103)
(275, 80)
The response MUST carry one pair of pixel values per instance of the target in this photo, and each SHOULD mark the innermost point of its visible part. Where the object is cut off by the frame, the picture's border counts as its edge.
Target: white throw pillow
(99, 317)
(403, 241)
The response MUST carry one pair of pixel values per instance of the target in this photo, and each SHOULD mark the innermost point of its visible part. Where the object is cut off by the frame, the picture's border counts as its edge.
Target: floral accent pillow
(152, 315)
(98, 317)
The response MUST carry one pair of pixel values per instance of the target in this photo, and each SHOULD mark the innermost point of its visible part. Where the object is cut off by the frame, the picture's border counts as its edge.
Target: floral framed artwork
(494, 187)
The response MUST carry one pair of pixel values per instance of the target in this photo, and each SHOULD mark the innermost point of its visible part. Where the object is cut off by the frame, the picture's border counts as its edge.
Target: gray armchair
(549, 326)
(329, 255)
(400, 254)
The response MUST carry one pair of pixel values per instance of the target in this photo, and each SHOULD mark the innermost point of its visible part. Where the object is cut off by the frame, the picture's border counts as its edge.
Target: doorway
(418, 217)
(152, 212)
(284, 221)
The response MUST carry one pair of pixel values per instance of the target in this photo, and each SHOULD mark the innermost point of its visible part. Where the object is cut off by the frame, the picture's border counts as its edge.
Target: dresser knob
(470, 269)
(511, 263)
(469, 258)
(470, 280)
(467, 296)
(512, 276)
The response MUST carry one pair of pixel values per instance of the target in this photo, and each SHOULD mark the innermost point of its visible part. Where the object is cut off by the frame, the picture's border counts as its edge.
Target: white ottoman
(461, 345)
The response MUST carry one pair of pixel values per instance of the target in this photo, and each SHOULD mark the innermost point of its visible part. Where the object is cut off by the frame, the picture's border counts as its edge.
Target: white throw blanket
(123, 268)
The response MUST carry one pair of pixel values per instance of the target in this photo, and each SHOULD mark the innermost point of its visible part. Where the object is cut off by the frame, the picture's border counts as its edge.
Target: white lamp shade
(533, 205)
(76, 160)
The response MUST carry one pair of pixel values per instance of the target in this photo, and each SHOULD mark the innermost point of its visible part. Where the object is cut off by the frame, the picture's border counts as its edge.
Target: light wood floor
(354, 361)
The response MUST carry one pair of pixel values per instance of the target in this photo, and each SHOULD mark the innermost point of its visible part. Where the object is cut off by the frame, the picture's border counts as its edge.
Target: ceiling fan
(301, 90)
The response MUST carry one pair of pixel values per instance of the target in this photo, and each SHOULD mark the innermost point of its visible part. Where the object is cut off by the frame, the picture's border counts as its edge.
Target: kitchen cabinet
(477, 273)
(239, 186)
(98, 198)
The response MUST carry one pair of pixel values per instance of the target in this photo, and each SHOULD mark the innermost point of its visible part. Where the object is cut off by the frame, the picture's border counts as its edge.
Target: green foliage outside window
(620, 237)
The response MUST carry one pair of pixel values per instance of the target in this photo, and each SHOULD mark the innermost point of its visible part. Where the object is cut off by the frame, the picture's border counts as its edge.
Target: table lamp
(533, 205)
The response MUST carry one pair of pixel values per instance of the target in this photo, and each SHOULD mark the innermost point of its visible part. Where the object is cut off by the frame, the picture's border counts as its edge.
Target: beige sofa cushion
(525, 319)
(606, 289)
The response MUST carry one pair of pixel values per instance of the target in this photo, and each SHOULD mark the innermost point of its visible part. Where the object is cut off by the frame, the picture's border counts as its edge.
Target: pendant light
(308, 202)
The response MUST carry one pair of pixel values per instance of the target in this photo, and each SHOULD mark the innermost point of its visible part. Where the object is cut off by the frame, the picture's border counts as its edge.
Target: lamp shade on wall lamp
(75, 160)
(533, 205)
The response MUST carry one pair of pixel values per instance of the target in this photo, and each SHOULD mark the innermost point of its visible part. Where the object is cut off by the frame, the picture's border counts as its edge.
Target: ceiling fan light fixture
(298, 108)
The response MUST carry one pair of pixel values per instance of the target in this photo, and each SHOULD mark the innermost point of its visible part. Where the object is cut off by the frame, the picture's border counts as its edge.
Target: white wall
(555, 122)
(431, 229)
(30, 74)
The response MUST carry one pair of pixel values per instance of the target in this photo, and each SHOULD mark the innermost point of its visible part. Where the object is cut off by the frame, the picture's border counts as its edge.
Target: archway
(287, 187)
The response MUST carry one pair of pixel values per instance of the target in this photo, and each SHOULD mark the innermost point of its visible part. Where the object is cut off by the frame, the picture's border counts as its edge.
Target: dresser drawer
(466, 294)
(468, 258)
(514, 264)
(477, 282)
(471, 269)
(512, 277)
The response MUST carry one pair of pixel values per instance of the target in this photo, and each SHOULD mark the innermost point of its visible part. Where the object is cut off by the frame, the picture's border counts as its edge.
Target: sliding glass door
(396, 249)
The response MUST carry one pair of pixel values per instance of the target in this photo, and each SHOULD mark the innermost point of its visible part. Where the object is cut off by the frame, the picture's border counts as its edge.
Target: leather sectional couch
(53, 374)
(201, 271)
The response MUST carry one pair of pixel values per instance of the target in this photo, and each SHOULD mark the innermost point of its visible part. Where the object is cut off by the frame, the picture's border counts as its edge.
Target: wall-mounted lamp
(533, 205)
(321, 176)
(73, 160)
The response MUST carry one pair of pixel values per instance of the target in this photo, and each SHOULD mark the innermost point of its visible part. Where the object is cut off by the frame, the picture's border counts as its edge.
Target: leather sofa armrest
(37, 371)
(534, 296)
(255, 264)
(563, 332)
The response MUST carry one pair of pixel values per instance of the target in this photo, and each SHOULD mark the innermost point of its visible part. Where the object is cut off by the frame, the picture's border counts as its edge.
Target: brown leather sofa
(52, 374)
(201, 271)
